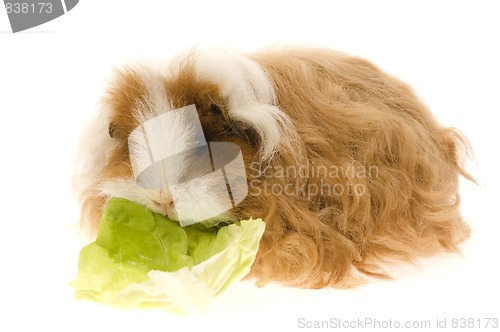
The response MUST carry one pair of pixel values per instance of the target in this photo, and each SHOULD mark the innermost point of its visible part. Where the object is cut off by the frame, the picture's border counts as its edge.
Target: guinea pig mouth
(166, 207)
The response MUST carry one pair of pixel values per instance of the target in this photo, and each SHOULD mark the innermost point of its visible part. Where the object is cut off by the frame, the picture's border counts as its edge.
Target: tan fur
(347, 113)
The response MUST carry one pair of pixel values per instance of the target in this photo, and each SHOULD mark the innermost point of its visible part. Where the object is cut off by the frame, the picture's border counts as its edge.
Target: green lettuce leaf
(143, 259)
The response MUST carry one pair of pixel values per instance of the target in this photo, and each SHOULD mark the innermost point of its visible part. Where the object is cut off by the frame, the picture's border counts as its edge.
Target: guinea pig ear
(111, 129)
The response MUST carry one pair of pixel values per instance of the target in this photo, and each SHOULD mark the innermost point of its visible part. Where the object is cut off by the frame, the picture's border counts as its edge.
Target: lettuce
(141, 259)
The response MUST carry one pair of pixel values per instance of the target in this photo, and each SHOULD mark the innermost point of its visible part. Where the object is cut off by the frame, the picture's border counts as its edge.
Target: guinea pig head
(233, 103)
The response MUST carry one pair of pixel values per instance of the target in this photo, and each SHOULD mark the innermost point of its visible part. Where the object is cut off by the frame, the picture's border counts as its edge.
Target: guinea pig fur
(347, 167)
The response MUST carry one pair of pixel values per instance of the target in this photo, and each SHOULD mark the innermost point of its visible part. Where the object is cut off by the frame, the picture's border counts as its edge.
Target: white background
(52, 76)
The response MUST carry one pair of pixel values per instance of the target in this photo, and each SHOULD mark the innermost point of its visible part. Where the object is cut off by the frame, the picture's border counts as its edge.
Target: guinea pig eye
(214, 109)
(111, 129)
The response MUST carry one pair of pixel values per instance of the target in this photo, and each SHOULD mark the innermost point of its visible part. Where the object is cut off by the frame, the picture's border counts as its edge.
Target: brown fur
(347, 113)
(347, 110)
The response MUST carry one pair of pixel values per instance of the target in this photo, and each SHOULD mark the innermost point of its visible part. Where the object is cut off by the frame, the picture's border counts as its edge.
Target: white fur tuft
(251, 97)
(93, 150)
(156, 99)
(166, 136)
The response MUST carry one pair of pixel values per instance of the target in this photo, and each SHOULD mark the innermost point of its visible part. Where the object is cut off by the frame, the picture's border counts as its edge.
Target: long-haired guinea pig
(346, 166)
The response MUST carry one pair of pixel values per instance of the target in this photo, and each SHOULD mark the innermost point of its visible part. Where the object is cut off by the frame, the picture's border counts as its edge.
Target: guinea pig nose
(166, 203)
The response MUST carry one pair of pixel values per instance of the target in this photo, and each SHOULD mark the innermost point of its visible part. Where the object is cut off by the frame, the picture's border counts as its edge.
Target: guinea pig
(347, 167)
